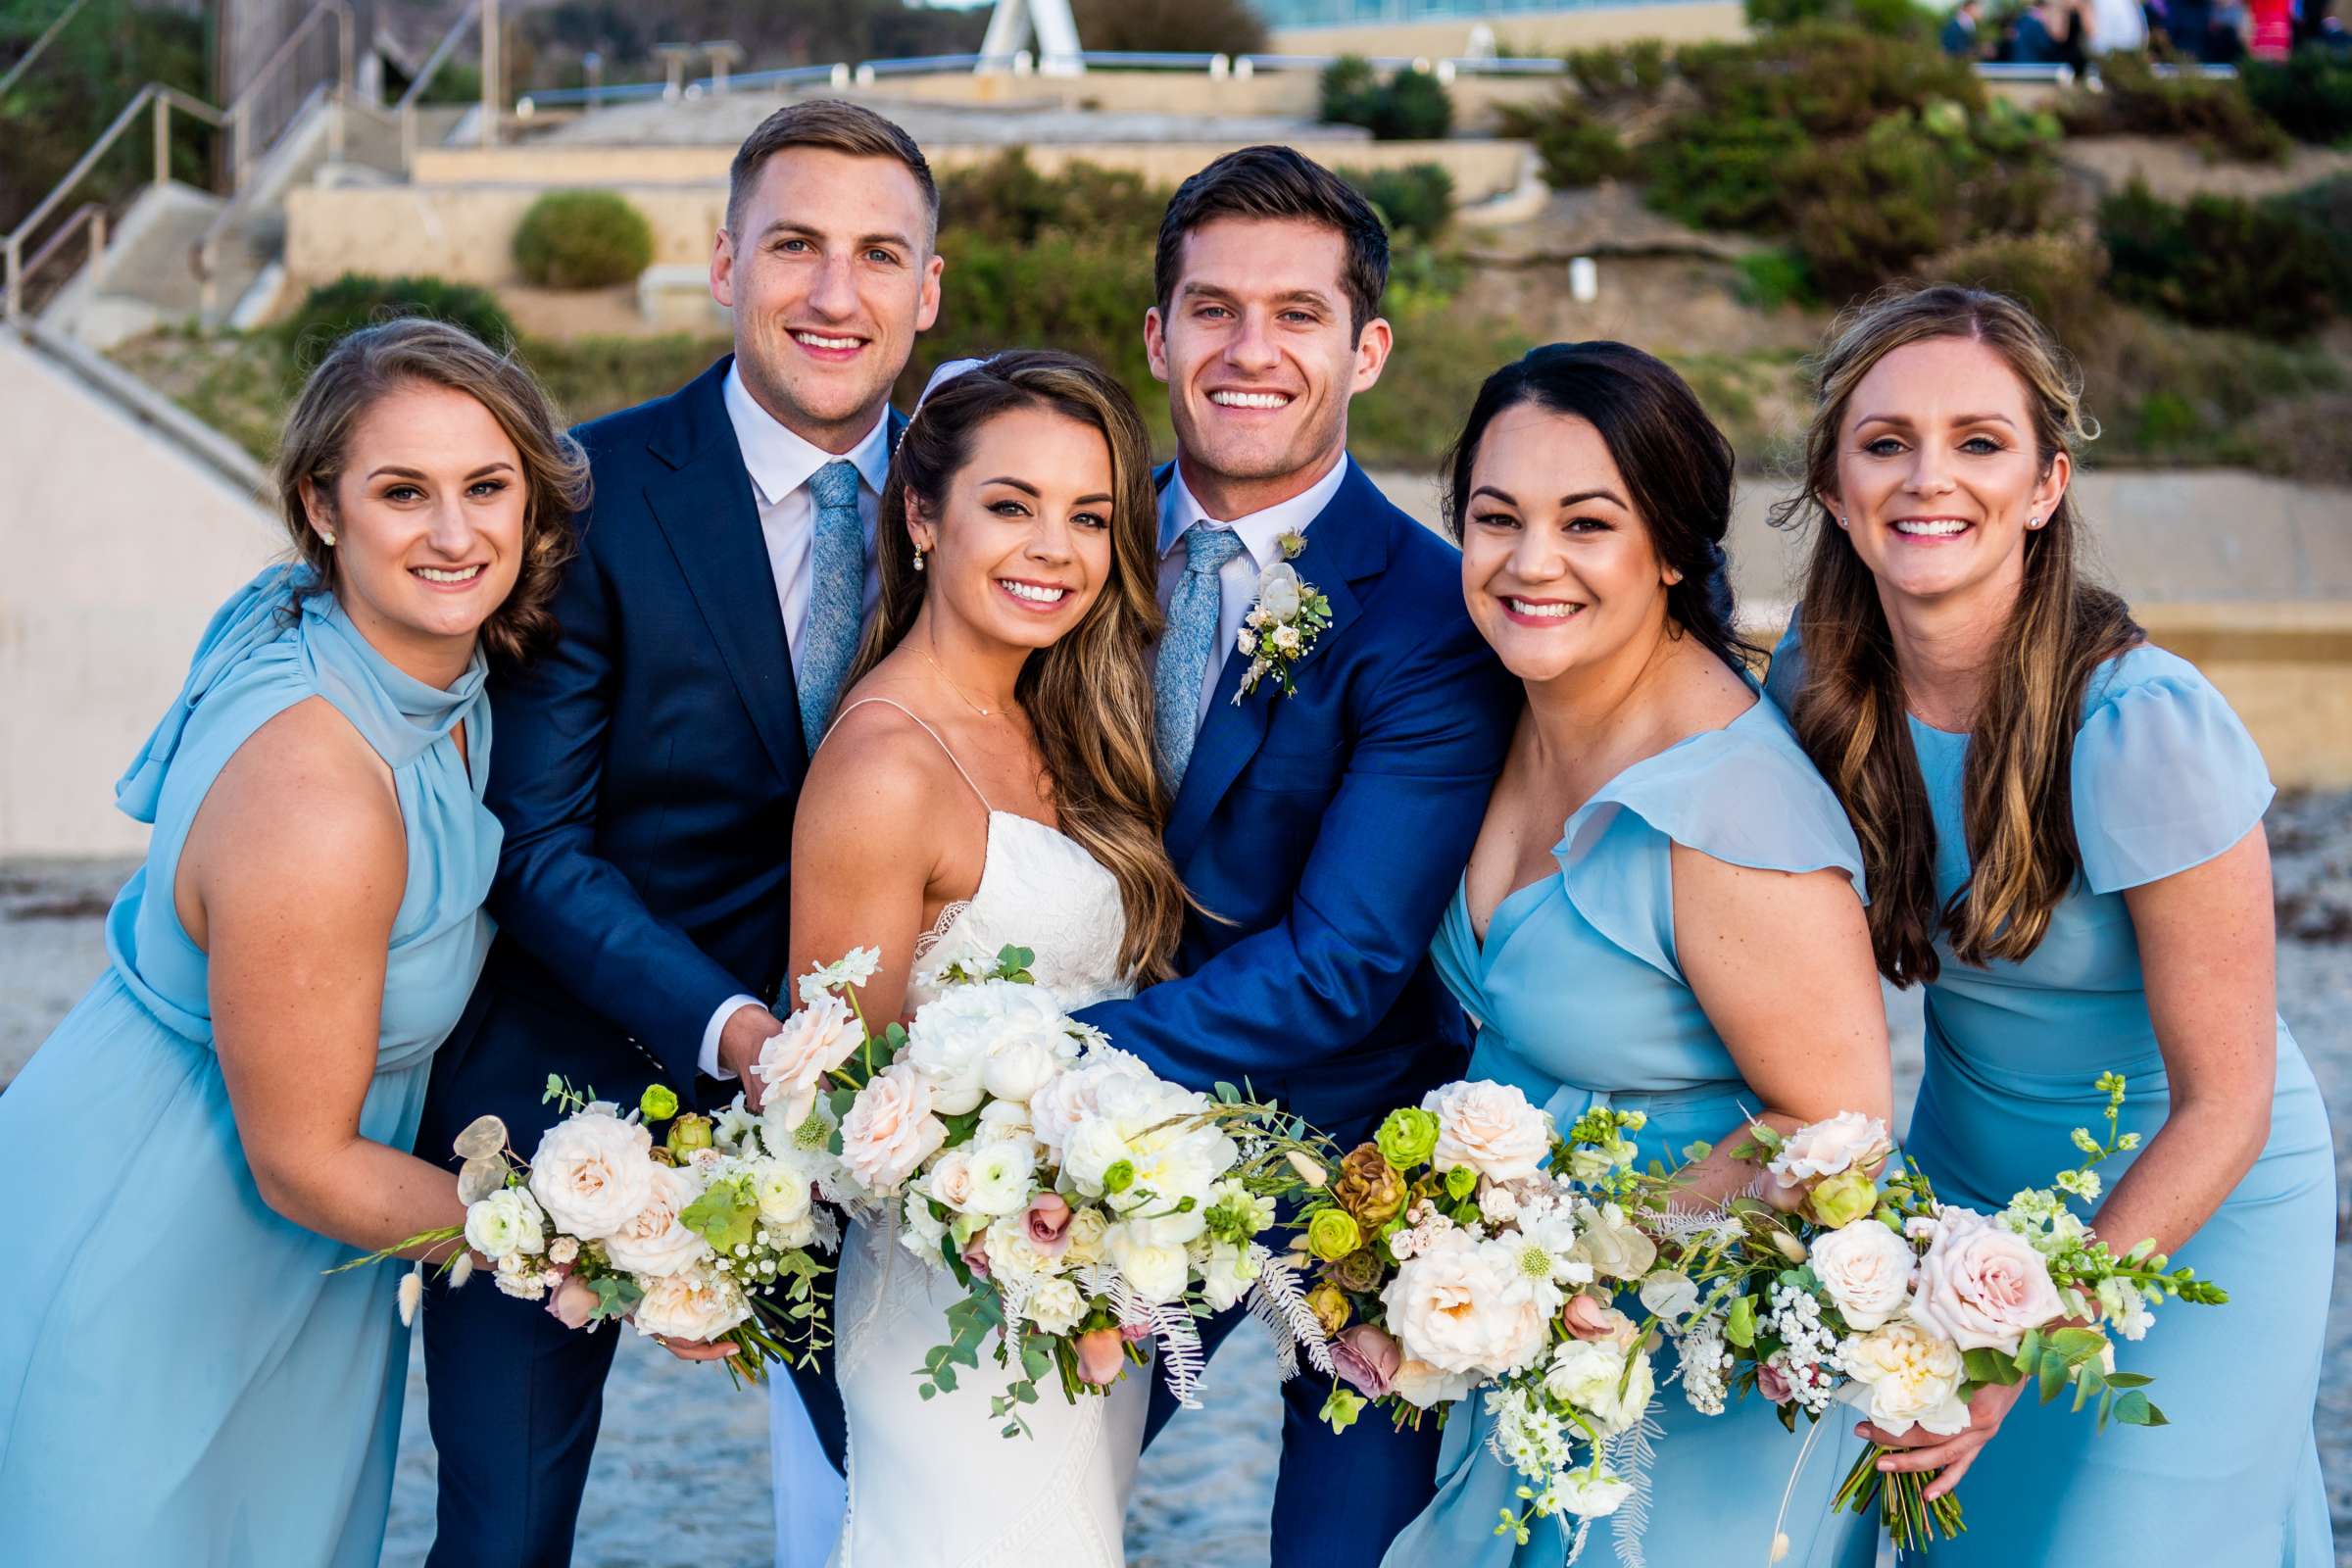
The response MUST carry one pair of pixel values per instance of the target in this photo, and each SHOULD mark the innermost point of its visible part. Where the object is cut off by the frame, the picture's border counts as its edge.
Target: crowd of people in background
(2074, 33)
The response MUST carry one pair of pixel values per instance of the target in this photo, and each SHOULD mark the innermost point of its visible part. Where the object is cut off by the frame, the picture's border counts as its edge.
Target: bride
(989, 780)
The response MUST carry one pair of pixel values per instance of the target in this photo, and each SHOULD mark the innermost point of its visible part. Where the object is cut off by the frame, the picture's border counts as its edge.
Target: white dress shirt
(1237, 579)
(781, 464)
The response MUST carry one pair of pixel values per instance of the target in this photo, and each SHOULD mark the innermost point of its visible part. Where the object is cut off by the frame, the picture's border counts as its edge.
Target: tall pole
(493, 65)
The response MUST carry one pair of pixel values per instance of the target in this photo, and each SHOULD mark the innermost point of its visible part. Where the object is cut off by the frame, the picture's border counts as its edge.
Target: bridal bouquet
(1838, 1285)
(709, 1235)
(1084, 1204)
(1468, 1245)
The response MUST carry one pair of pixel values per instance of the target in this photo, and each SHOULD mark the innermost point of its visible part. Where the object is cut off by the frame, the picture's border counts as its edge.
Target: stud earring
(2032, 522)
(327, 534)
(1841, 523)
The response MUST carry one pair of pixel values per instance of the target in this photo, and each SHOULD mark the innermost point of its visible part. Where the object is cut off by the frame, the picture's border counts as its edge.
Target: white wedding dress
(932, 1484)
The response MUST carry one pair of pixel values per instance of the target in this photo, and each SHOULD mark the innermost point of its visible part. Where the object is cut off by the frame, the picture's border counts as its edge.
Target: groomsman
(646, 770)
(1324, 830)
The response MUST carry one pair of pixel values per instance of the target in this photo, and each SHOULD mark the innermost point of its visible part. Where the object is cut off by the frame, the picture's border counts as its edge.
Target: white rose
(1826, 1148)
(890, 1129)
(592, 1173)
(1488, 1127)
(1422, 1385)
(1012, 1252)
(1285, 639)
(950, 1179)
(1155, 1270)
(654, 1241)
(507, 1221)
(1092, 1150)
(1245, 640)
(1055, 1306)
(1586, 1373)
(1004, 1121)
(1452, 1306)
(1278, 591)
(1982, 1287)
(783, 1192)
(1002, 1179)
(923, 1230)
(795, 1059)
(958, 1035)
(700, 1304)
(1020, 1068)
(1087, 1229)
(1911, 1376)
(1226, 1274)
(561, 1251)
(1867, 1270)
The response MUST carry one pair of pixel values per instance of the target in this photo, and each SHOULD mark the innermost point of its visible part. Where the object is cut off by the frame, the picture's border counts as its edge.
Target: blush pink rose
(1982, 1287)
(1101, 1356)
(889, 1130)
(571, 1303)
(1772, 1383)
(1049, 1223)
(975, 1254)
(1585, 1318)
(1367, 1359)
(795, 1060)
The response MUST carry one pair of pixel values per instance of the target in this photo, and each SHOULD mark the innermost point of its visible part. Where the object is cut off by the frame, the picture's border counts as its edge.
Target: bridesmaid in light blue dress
(2155, 961)
(226, 1116)
(1691, 944)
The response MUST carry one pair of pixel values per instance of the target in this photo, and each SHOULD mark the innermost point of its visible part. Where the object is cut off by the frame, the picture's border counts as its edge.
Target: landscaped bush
(334, 311)
(2220, 262)
(2309, 94)
(2213, 112)
(1772, 279)
(1575, 146)
(2327, 206)
(1410, 106)
(1168, 27)
(2060, 279)
(582, 239)
(1614, 73)
(1416, 201)
(1893, 19)
(1008, 199)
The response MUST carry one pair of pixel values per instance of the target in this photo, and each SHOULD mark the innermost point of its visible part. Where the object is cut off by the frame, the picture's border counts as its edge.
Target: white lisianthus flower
(1587, 1373)
(1226, 1274)
(1586, 1495)
(1155, 1270)
(1867, 1269)
(1615, 1247)
(1490, 1127)
(854, 968)
(1003, 1177)
(507, 1221)
(1905, 1375)
(1055, 1306)
(698, 1303)
(655, 1240)
(592, 1173)
(1829, 1147)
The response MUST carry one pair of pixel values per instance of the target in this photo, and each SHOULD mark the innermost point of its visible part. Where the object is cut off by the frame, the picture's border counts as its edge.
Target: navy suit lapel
(1345, 545)
(705, 509)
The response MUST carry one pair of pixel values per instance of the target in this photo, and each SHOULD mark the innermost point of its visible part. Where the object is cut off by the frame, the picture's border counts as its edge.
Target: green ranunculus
(1333, 1234)
(1844, 1197)
(658, 1102)
(1408, 1137)
(689, 1133)
(1460, 1182)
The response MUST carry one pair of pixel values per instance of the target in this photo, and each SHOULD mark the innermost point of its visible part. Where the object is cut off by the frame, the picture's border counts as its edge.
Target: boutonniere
(1284, 623)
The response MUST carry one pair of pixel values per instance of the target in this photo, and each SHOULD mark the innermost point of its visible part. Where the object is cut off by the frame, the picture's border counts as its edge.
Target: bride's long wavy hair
(1089, 695)
(2018, 785)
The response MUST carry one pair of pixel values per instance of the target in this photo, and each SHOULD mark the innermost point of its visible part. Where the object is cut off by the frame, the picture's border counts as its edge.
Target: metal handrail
(48, 35)
(91, 213)
(242, 153)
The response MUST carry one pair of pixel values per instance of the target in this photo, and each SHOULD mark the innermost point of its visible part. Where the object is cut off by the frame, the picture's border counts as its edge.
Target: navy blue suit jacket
(1329, 830)
(646, 770)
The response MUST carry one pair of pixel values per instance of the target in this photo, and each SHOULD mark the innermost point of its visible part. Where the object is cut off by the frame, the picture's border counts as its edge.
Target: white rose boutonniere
(1281, 628)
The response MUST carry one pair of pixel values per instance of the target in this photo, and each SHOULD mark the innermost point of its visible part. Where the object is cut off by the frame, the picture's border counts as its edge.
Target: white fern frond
(1576, 1543)
(1632, 1453)
(1180, 1350)
(1277, 1302)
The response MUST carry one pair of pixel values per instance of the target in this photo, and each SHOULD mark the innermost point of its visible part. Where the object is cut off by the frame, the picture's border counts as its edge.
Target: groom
(646, 772)
(1324, 831)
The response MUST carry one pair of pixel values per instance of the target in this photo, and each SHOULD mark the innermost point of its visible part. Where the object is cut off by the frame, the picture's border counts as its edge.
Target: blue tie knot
(834, 486)
(1207, 546)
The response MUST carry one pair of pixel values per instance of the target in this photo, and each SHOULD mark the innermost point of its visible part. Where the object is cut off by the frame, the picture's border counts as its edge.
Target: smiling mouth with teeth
(1536, 611)
(1031, 593)
(817, 341)
(454, 574)
(1930, 527)
(1250, 400)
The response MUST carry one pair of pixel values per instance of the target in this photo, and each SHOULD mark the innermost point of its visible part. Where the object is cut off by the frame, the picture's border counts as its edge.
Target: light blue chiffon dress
(1579, 1000)
(2164, 778)
(180, 1382)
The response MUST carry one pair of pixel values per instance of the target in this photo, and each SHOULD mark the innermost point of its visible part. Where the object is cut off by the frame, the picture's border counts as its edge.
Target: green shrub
(1008, 199)
(2215, 113)
(2220, 262)
(1165, 26)
(582, 239)
(1891, 19)
(2060, 279)
(334, 311)
(1416, 202)
(2326, 206)
(2309, 94)
(1576, 148)
(1772, 279)
(1722, 172)
(1620, 72)
(1410, 106)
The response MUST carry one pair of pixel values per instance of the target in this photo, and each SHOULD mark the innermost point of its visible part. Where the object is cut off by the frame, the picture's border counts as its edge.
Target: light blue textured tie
(836, 596)
(1187, 644)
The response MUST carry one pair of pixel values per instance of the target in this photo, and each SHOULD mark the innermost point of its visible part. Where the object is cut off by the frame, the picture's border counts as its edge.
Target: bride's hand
(1919, 1449)
(698, 1349)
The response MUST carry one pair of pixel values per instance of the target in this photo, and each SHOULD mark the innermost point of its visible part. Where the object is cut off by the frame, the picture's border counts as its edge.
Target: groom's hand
(747, 1029)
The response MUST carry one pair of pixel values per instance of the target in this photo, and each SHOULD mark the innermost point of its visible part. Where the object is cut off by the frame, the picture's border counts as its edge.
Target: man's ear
(1156, 343)
(722, 269)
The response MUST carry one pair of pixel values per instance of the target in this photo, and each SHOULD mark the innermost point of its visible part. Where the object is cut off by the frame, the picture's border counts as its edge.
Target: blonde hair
(376, 360)
(1850, 714)
(1087, 696)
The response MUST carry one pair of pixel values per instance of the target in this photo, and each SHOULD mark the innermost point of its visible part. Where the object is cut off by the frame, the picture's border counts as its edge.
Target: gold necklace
(984, 713)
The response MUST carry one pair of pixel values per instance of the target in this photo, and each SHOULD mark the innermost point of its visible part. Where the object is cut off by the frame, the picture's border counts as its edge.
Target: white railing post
(14, 248)
(163, 138)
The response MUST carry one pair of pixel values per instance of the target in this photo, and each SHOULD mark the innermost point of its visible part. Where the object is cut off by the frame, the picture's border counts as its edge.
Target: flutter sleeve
(2165, 774)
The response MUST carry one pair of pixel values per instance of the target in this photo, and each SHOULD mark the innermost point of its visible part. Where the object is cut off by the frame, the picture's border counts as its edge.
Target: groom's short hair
(837, 126)
(1278, 183)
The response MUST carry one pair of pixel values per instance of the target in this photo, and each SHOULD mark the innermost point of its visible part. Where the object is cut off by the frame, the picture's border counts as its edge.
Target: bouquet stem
(1910, 1519)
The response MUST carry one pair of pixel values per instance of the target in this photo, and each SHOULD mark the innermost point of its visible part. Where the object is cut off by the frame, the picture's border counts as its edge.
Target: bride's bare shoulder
(877, 765)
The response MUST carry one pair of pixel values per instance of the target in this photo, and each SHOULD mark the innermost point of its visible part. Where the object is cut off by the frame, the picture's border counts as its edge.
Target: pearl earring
(327, 534)
(919, 558)
(2034, 523)
(1841, 523)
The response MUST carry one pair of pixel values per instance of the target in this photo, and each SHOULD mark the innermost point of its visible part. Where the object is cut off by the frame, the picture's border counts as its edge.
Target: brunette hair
(2018, 787)
(837, 126)
(412, 350)
(1677, 468)
(1087, 696)
(1276, 182)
